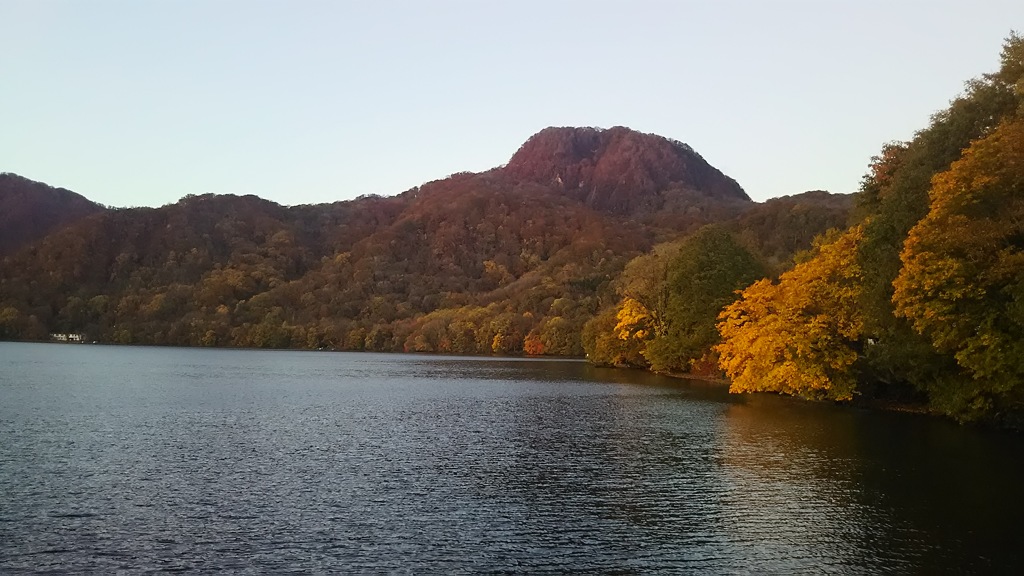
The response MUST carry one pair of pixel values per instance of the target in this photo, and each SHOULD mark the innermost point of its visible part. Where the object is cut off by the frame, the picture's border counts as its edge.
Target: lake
(194, 460)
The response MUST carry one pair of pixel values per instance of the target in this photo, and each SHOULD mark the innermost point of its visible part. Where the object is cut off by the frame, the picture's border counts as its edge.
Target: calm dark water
(149, 459)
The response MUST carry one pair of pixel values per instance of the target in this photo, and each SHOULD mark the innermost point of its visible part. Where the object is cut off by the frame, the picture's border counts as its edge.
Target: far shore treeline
(627, 247)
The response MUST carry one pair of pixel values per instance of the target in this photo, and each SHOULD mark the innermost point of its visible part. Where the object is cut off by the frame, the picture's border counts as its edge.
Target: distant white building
(71, 337)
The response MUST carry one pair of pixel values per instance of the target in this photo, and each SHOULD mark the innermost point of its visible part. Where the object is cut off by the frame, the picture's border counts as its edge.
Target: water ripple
(151, 460)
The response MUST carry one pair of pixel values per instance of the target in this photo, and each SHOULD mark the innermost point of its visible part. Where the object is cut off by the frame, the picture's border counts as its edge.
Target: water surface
(162, 459)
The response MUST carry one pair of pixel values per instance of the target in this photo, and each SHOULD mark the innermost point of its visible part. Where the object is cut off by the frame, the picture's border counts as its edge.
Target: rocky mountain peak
(618, 169)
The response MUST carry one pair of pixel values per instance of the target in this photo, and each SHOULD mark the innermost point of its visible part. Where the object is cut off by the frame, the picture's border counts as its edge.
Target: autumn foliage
(801, 335)
(962, 281)
(922, 298)
(918, 298)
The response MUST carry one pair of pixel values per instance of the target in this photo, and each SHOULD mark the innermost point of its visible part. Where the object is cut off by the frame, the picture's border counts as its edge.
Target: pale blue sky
(137, 103)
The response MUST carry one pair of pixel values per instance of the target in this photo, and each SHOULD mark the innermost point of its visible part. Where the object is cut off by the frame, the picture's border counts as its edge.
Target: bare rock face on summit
(621, 171)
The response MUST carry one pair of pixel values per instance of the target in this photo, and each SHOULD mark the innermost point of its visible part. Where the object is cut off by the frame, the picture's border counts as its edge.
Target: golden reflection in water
(791, 483)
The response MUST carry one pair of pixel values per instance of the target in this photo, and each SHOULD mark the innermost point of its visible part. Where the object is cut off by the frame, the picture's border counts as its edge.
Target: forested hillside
(512, 260)
(31, 210)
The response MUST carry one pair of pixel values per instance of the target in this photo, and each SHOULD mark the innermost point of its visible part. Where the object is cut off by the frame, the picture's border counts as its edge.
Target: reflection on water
(881, 491)
(800, 465)
(205, 460)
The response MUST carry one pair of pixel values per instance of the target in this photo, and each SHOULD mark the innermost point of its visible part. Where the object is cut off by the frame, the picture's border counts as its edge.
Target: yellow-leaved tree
(801, 335)
(962, 280)
(634, 320)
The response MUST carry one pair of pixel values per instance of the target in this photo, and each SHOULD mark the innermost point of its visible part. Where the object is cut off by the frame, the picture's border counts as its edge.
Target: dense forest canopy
(918, 298)
(931, 305)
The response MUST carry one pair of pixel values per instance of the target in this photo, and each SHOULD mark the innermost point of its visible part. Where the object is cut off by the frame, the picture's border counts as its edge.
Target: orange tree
(962, 280)
(800, 336)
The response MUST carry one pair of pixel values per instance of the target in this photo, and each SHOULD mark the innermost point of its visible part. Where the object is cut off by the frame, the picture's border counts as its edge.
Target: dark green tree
(703, 277)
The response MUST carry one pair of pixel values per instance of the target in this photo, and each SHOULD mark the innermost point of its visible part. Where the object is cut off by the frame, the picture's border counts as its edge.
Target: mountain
(515, 258)
(619, 170)
(31, 210)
